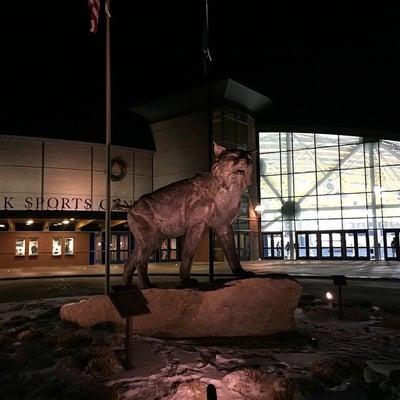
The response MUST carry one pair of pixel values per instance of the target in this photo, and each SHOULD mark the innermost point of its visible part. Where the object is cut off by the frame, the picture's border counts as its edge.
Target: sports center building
(316, 193)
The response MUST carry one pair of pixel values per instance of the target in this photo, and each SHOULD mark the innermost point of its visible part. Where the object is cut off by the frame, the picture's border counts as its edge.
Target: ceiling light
(29, 222)
(2, 226)
(72, 219)
(65, 222)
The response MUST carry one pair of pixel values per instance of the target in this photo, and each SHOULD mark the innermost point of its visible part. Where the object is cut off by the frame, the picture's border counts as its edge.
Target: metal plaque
(129, 301)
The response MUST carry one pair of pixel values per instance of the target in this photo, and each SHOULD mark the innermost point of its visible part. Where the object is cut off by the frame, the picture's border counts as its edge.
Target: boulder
(249, 307)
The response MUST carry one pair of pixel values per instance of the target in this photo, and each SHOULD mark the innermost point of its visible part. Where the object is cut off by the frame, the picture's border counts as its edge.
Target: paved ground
(352, 269)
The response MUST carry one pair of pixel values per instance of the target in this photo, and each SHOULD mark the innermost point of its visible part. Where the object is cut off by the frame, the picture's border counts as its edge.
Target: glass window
(304, 160)
(307, 225)
(328, 182)
(371, 154)
(323, 139)
(308, 207)
(327, 158)
(271, 226)
(328, 201)
(352, 156)
(353, 180)
(274, 204)
(330, 224)
(20, 247)
(347, 139)
(389, 223)
(389, 152)
(390, 177)
(304, 184)
(286, 162)
(286, 141)
(33, 249)
(56, 247)
(303, 140)
(270, 164)
(359, 223)
(354, 205)
(270, 186)
(69, 247)
(269, 142)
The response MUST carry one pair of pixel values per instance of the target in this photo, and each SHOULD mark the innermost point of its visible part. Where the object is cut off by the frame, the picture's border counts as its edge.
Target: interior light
(259, 209)
(2, 226)
(65, 222)
(72, 219)
(29, 222)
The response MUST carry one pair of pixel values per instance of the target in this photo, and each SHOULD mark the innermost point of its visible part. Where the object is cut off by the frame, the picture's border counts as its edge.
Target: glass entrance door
(272, 245)
(306, 245)
(331, 245)
(242, 245)
(391, 242)
(356, 245)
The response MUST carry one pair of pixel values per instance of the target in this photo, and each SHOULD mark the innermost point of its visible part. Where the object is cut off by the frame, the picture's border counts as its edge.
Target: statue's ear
(218, 150)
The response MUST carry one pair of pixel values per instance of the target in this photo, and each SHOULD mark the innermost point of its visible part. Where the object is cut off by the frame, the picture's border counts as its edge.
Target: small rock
(371, 376)
(29, 335)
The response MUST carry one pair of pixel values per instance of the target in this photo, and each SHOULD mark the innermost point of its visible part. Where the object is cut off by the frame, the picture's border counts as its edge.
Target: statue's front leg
(226, 238)
(190, 242)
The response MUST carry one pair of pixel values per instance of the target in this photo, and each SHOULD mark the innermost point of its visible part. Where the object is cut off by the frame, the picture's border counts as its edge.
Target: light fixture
(2, 226)
(65, 222)
(329, 296)
(29, 222)
(72, 219)
(259, 209)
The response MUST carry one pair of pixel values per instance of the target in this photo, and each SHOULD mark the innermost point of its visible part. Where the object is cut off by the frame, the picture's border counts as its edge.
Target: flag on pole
(94, 10)
(207, 59)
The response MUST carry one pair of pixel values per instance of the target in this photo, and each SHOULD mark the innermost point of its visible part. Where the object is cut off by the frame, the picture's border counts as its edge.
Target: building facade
(52, 200)
(329, 196)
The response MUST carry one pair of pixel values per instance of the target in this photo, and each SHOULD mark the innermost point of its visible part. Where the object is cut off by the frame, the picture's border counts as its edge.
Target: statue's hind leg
(129, 270)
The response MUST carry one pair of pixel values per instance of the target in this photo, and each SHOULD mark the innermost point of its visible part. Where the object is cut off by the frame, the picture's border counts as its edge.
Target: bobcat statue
(187, 208)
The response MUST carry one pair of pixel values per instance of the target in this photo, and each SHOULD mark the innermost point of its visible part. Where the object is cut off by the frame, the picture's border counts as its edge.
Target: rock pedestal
(250, 307)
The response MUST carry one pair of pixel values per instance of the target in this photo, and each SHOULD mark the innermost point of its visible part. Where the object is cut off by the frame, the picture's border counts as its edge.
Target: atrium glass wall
(327, 196)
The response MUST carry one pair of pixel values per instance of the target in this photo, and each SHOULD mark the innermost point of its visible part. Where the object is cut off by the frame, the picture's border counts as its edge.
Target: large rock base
(250, 307)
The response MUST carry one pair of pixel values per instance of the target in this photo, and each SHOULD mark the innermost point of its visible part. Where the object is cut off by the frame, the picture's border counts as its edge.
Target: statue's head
(233, 166)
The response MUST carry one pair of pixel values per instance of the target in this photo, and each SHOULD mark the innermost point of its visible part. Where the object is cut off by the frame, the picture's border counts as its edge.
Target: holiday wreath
(118, 168)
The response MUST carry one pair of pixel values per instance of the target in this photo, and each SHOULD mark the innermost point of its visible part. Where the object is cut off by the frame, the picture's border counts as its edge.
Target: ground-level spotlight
(329, 296)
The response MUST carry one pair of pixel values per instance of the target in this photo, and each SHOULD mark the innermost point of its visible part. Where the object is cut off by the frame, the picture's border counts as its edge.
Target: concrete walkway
(352, 269)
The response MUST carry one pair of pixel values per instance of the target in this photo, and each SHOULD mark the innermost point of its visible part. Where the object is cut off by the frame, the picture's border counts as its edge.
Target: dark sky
(333, 64)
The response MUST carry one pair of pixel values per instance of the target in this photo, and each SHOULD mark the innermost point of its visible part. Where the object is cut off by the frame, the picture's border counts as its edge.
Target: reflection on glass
(20, 247)
(69, 246)
(33, 249)
(56, 247)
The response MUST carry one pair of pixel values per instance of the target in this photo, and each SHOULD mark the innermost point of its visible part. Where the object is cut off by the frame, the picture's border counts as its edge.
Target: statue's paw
(148, 286)
(190, 283)
(243, 274)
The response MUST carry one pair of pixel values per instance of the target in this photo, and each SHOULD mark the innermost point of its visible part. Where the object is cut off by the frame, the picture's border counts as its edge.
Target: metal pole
(129, 344)
(207, 61)
(340, 302)
(108, 151)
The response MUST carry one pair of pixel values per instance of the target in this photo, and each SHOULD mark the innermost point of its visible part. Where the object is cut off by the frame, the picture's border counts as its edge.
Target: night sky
(326, 65)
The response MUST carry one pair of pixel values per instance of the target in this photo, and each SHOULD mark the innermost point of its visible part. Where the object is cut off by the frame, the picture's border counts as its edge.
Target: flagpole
(207, 62)
(108, 151)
